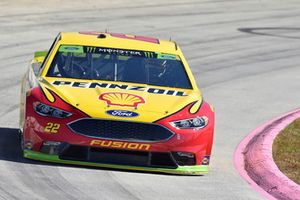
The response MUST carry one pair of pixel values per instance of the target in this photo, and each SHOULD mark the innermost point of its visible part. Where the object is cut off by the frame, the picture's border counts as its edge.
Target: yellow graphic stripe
(195, 108)
(47, 93)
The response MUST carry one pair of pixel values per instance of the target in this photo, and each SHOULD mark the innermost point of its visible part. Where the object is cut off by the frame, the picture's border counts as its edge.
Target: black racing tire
(21, 142)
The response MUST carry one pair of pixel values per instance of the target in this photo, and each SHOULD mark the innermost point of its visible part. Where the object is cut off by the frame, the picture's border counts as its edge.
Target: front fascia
(199, 141)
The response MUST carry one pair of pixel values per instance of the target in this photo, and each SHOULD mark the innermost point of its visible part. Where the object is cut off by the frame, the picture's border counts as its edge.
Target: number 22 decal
(52, 127)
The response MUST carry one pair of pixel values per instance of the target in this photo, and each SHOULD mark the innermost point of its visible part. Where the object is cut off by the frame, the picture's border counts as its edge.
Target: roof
(122, 41)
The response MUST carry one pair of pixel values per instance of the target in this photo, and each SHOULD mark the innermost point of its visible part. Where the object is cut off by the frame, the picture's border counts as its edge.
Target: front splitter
(189, 170)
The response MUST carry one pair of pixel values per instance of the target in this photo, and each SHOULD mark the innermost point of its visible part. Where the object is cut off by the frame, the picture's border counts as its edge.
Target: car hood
(119, 100)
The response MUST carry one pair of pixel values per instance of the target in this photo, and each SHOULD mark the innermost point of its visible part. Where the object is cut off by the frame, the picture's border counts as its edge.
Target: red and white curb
(254, 161)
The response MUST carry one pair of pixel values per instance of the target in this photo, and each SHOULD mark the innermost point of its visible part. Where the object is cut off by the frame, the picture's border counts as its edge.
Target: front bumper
(191, 170)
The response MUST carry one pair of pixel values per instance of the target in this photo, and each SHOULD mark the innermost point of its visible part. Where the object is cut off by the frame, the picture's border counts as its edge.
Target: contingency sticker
(71, 49)
(166, 56)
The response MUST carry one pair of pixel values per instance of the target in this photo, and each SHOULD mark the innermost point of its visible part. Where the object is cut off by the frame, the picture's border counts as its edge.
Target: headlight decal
(191, 123)
(185, 122)
(49, 111)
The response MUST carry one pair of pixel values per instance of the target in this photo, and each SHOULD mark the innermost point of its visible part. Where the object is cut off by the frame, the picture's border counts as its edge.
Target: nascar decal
(120, 145)
(119, 86)
(121, 99)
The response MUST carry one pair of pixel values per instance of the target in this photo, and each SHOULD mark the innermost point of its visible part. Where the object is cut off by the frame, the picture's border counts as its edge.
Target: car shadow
(10, 150)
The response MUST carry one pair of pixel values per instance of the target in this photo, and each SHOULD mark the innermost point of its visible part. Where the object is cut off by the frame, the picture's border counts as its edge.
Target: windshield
(97, 63)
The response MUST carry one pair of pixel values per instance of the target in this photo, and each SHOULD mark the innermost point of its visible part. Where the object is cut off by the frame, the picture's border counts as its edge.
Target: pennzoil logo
(92, 85)
(121, 99)
(120, 145)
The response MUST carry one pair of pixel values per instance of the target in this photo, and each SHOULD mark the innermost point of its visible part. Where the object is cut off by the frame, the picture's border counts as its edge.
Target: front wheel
(21, 142)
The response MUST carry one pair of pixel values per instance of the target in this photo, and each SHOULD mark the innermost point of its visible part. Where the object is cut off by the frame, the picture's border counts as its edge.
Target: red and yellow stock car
(117, 101)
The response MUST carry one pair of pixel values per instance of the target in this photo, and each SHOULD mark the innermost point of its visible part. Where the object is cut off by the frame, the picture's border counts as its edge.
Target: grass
(286, 151)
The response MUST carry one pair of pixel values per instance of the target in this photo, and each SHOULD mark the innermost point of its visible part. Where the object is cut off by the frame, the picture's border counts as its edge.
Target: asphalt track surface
(244, 54)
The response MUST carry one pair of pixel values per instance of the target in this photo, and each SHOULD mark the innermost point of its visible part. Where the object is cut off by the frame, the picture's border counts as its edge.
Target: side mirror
(39, 57)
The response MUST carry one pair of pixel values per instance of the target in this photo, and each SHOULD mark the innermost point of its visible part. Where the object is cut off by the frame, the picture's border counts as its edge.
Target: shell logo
(121, 99)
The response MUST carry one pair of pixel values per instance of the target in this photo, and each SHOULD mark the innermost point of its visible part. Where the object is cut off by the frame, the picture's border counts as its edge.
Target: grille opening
(118, 156)
(121, 157)
(122, 130)
(161, 159)
(183, 159)
(75, 153)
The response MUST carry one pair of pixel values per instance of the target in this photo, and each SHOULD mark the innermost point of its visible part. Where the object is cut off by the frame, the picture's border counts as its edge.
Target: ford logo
(122, 113)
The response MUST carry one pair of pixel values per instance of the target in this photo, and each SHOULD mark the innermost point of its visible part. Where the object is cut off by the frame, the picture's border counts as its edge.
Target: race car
(115, 101)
